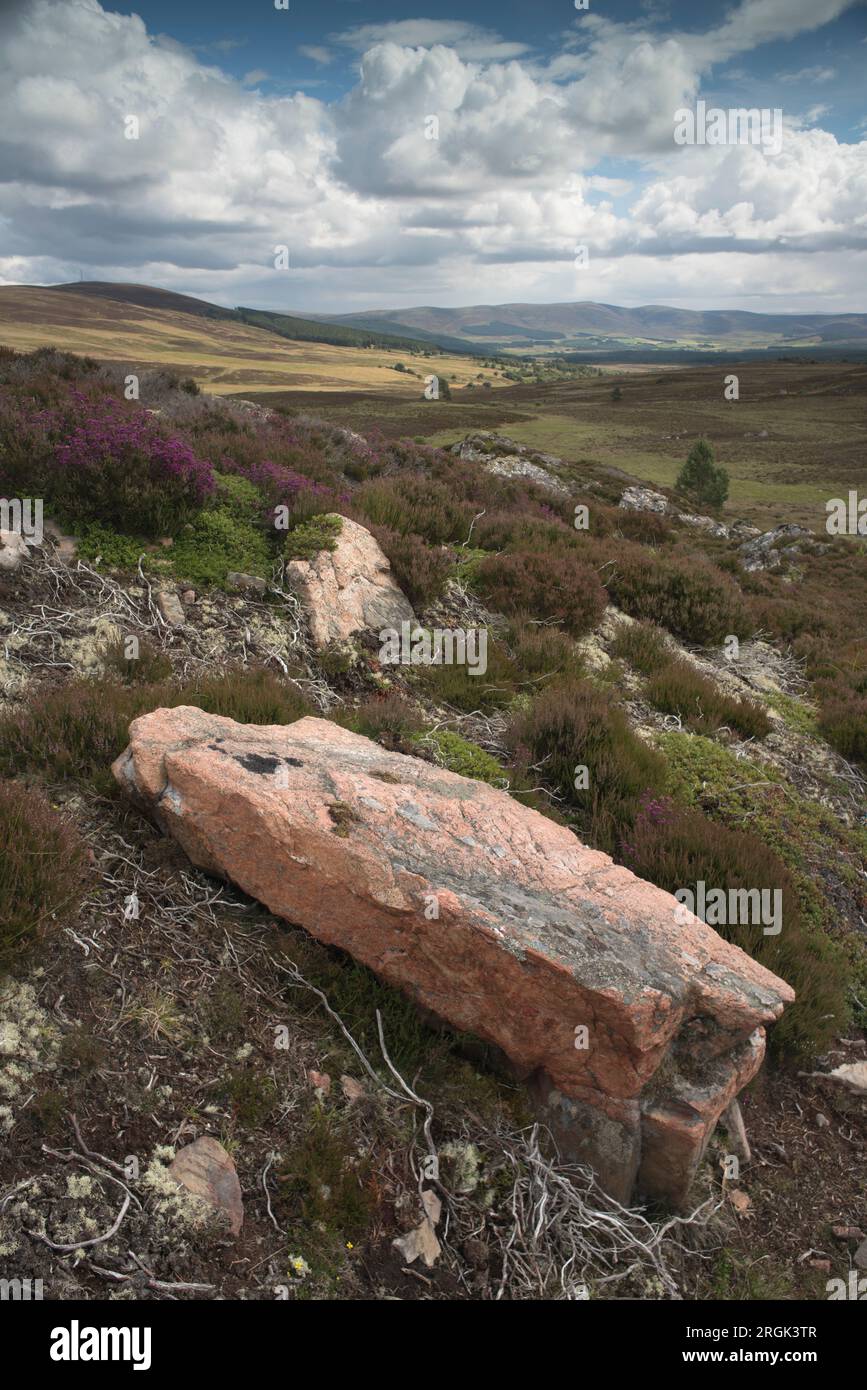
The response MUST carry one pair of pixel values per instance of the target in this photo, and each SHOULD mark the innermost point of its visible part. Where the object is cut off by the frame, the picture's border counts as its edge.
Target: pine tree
(701, 478)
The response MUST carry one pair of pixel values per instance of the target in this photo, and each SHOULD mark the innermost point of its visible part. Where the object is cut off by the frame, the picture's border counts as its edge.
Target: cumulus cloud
(451, 167)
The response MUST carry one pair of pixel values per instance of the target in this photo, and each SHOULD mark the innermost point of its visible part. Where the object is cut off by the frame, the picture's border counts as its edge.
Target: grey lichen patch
(29, 1042)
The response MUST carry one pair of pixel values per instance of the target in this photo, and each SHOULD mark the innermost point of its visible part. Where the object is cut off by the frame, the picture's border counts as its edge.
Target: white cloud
(376, 213)
(315, 53)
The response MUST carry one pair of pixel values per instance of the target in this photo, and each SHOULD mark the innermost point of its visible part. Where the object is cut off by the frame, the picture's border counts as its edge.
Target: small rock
(739, 1200)
(171, 608)
(476, 1252)
(824, 1266)
(205, 1169)
(861, 1255)
(847, 1232)
(644, 499)
(236, 580)
(321, 1082)
(852, 1075)
(188, 596)
(822, 1121)
(13, 549)
(352, 1089)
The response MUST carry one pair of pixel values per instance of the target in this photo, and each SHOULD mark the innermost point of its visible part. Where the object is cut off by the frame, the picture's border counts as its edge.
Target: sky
(354, 154)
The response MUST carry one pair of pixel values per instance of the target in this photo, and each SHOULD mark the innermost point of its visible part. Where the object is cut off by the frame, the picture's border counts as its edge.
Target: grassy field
(796, 436)
(222, 356)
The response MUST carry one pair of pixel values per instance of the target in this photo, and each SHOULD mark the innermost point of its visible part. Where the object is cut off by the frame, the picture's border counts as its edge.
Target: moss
(460, 755)
(218, 541)
(798, 716)
(309, 538)
(112, 549)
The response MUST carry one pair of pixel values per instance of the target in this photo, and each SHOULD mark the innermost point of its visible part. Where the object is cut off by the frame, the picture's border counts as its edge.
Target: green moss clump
(306, 540)
(798, 715)
(110, 548)
(461, 756)
(220, 540)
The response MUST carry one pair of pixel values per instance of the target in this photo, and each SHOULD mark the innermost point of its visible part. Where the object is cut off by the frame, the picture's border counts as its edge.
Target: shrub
(388, 719)
(574, 725)
(556, 588)
(76, 731)
(679, 689)
(676, 848)
(220, 540)
(42, 871)
(461, 756)
(701, 478)
(310, 538)
(115, 466)
(843, 720)
(688, 596)
(642, 646)
(415, 506)
(455, 686)
(648, 528)
(541, 650)
(420, 571)
(148, 667)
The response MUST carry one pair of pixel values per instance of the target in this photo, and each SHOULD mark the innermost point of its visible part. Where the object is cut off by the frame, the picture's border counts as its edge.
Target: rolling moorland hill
(226, 350)
(708, 675)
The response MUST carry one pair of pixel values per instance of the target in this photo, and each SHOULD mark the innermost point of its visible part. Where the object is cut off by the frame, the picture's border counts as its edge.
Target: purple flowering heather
(115, 465)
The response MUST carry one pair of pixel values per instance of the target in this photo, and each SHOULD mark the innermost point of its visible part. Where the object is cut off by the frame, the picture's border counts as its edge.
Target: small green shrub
(42, 871)
(219, 540)
(310, 538)
(461, 756)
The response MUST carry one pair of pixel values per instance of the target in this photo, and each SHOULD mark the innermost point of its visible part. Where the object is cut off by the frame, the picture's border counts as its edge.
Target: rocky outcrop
(349, 589)
(767, 551)
(636, 1031)
(644, 499)
(505, 458)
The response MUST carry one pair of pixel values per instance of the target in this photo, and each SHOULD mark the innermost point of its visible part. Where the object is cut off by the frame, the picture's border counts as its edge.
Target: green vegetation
(461, 756)
(700, 478)
(310, 538)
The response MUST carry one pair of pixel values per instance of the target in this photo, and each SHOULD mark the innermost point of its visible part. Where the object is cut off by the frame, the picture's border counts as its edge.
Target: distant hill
(588, 324)
(292, 326)
(224, 350)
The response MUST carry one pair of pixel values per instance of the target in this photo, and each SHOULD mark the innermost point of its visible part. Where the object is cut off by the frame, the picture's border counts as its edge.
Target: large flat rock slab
(486, 913)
